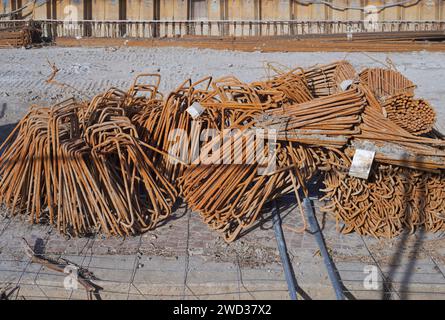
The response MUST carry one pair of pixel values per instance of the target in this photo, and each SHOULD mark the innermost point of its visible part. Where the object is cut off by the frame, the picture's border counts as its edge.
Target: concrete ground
(182, 258)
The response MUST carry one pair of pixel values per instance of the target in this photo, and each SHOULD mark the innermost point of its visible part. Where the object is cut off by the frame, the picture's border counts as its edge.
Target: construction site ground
(182, 258)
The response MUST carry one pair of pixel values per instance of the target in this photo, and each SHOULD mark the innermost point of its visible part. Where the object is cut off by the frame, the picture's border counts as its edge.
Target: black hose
(315, 229)
(287, 266)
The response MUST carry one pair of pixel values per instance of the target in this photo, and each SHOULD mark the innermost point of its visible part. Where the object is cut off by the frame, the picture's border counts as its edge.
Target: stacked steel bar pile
(393, 199)
(327, 79)
(386, 82)
(414, 115)
(117, 164)
(83, 168)
(18, 37)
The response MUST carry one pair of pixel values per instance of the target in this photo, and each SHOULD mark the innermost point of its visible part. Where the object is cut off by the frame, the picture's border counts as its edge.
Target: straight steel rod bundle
(326, 80)
(326, 121)
(394, 144)
(414, 115)
(18, 36)
(386, 82)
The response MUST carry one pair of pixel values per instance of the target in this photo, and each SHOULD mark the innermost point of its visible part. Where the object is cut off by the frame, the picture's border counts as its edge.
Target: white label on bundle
(346, 84)
(195, 110)
(361, 164)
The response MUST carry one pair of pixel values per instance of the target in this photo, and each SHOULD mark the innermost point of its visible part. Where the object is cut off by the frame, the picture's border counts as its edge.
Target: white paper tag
(346, 84)
(195, 110)
(362, 163)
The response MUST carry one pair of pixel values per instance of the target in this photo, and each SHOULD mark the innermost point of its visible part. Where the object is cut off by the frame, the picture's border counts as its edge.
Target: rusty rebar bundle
(326, 80)
(386, 82)
(116, 164)
(17, 37)
(84, 170)
(229, 197)
(414, 115)
(293, 85)
(394, 199)
(328, 121)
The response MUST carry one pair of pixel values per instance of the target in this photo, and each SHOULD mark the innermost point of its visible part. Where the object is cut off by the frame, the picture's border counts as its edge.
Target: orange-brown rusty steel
(386, 82)
(414, 115)
(394, 199)
(328, 121)
(325, 80)
(116, 164)
(83, 169)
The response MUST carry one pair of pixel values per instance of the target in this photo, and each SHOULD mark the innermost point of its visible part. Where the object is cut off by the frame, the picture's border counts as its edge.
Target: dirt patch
(246, 253)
